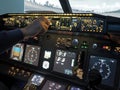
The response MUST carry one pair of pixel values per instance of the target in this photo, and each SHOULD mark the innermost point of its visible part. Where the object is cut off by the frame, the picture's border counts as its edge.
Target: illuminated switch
(17, 70)
(12, 68)
(117, 49)
(22, 71)
(104, 47)
(28, 74)
(107, 48)
(84, 45)
(13, 74)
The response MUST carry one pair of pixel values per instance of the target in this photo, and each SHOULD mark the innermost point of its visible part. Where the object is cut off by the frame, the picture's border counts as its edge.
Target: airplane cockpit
(80, 50)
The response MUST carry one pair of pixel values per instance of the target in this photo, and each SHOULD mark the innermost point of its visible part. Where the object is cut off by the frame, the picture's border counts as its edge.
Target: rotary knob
(75, 43)
(94, 46)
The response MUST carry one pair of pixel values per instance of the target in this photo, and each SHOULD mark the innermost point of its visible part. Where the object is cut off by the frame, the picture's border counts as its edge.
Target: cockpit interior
(80, 50)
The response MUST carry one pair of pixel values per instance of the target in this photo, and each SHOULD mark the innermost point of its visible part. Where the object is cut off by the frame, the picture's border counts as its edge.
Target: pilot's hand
(39, 26)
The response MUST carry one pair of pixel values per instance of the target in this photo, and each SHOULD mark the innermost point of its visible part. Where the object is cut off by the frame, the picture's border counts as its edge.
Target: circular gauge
(32, 55)
(103, 68)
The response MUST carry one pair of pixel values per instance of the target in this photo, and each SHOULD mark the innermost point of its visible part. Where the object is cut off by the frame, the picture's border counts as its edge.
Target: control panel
(62, 58)
(64, 22)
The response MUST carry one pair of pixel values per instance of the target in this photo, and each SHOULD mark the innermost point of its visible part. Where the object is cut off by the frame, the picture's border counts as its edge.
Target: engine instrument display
(50, 85)
(106, 66)
(17, 52)
(64, 62)
(32, 55)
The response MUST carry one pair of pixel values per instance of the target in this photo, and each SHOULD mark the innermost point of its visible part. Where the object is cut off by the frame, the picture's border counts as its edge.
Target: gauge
(106, 67)
(103, 68)
(32, 54)
(17, 52)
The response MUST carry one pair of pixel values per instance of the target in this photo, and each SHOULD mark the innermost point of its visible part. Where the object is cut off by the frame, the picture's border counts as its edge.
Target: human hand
(38, 26)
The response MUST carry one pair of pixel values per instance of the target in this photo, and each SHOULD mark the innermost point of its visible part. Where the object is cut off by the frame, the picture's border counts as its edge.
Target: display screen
(45, 64)
(75, 88)
(37, 79)
(17, 52)
(32, 55)
(106, 66)
(64, 62)
(50, 85)
(47, 54)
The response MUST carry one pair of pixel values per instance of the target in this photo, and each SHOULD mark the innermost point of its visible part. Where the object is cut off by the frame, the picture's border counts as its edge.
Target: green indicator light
(75, 47)
(86, 47)
(84, 43)
(82, 46)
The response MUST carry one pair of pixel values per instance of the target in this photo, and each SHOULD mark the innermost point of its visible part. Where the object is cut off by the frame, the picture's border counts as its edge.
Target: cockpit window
(106, 7)
(43, 5)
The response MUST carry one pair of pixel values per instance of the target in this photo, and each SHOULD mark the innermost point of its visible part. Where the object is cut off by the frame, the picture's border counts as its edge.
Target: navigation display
(32, 55)
(106, 66)
(64, 62)
(17, 52)
(50, 85)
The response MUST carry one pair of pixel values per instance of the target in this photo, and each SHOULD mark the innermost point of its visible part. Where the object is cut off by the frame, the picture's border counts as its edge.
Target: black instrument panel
(74, 44)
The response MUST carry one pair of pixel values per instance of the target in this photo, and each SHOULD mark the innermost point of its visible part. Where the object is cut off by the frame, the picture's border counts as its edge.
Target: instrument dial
(103, 68)
(32, 55)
